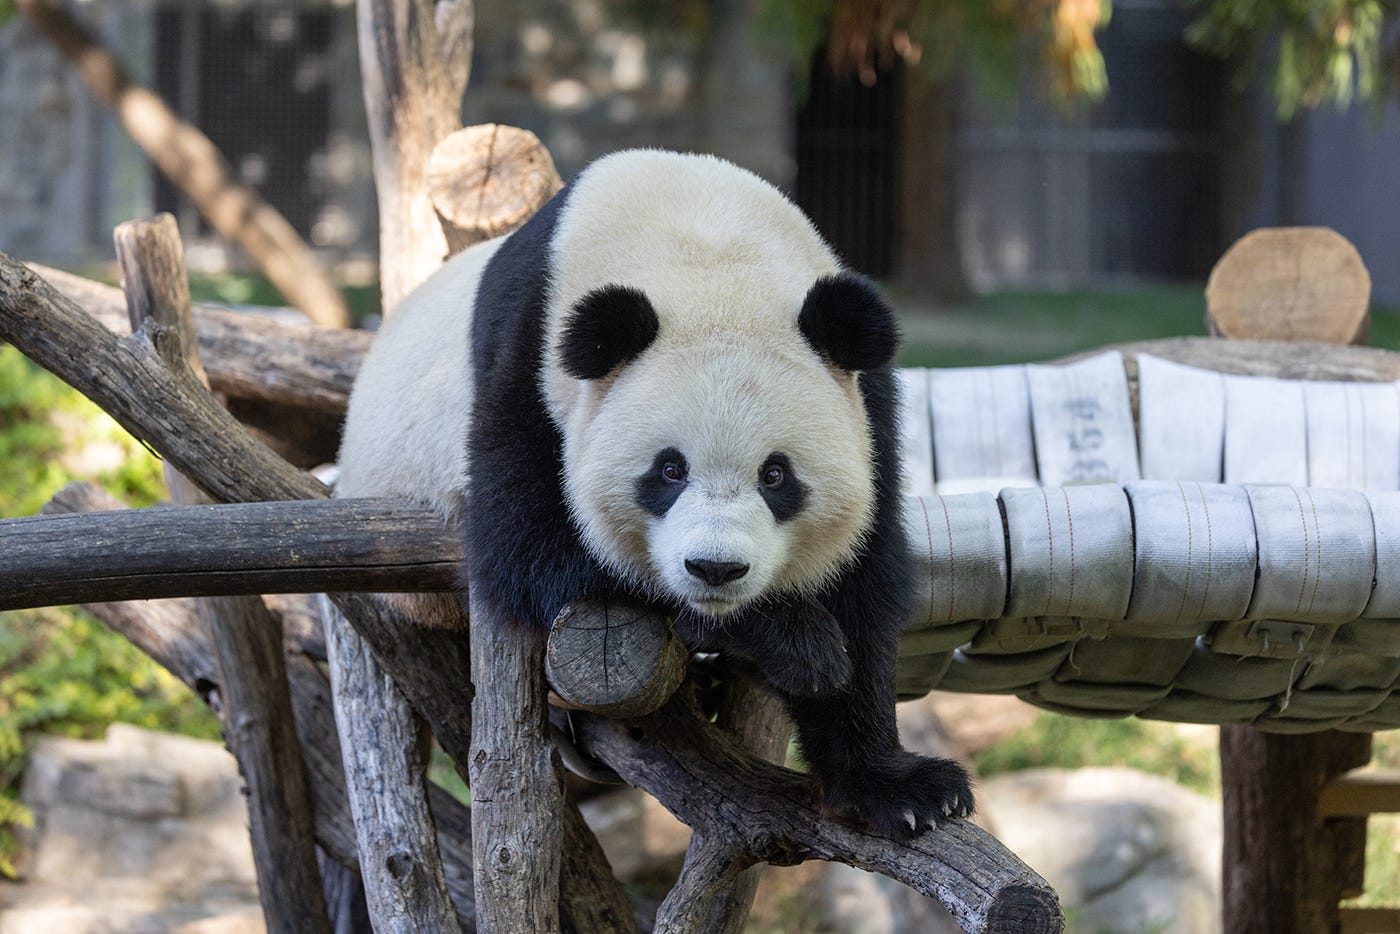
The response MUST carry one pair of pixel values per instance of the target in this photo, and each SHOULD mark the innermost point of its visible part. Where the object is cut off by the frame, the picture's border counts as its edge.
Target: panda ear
(845, 320)
(607, 328)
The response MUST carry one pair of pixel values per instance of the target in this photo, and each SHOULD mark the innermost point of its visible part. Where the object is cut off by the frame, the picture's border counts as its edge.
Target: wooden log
(1285, 865)
(386, 775)
(757, 812)
(1290, 284)
(256, 710)
(168, 551)
(415, 57)
(194, 165)
(431, 665)
(247, 356)
(758, 722)
(619, 662)
(1359, 794)
(517, 787)
(485, 181)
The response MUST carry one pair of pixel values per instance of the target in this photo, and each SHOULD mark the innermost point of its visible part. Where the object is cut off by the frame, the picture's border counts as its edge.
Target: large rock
(139, 832)
(1127, 851)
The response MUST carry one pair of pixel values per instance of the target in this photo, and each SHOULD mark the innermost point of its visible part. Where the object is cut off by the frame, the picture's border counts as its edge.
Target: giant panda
(665, 390)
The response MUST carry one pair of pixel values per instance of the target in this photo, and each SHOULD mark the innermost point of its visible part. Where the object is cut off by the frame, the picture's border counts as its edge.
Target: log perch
(616, 661)
(485, 181)
(186, 551)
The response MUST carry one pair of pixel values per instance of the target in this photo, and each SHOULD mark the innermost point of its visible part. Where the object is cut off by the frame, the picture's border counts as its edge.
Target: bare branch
(766, 813)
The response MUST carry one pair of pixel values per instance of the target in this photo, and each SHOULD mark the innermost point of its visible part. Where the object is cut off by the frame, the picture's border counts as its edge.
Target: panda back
(406, 425)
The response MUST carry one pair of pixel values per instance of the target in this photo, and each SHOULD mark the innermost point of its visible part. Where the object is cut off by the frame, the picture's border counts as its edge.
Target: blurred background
(1026, 178)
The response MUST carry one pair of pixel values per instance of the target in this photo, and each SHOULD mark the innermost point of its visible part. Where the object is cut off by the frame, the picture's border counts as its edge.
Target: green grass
(1028, 326)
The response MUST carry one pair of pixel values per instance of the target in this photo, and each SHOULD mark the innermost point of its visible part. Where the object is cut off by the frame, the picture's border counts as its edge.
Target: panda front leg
(852, 748)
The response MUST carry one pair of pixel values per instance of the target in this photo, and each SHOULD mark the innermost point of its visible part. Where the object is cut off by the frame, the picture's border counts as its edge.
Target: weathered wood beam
(517, 787)
(487, 180)
(247, 356)
(169, 632)
(257, 708)
(181, 551)
(751, 811)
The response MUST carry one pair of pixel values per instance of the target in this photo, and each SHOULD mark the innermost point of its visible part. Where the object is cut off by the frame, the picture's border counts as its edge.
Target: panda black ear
(845, 320)
(607, 327)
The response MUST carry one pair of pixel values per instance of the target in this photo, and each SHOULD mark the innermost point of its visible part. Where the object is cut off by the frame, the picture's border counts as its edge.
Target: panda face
(719, 474)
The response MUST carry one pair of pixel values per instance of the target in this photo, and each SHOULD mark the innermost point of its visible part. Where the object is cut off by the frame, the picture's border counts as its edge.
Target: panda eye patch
(781, 490)
(658, 488)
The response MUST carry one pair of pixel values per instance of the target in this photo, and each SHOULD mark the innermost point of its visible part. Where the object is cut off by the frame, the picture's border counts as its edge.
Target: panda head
(718, 465)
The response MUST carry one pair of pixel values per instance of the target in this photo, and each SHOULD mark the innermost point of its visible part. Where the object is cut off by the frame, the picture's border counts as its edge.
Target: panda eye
(773, 476)
(673, 472)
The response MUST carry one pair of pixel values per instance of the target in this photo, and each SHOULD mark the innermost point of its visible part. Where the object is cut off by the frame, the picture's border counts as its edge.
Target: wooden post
(517, 788)
(1285, 867)
(256, 705)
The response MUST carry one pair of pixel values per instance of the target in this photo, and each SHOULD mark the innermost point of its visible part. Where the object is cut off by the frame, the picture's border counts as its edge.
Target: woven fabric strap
(960, 558)
(981, 428)
(1195, 554)
(1353, 435)
(1071, 551)
(1265, 431)
(1083, 422)
(1182, 412)
(915, 432)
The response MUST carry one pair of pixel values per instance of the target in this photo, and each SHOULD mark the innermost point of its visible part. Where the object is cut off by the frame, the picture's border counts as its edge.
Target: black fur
(845, 320)
(607, 328)
(654, 492)
(831, 658)
(524, 555)
(786, 499)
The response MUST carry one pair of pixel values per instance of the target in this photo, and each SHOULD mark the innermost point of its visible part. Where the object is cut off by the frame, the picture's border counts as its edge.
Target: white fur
(726, 261)
(404, 434)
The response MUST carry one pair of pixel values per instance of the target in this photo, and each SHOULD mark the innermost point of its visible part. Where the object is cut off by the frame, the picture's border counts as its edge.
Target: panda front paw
(902, 794)
(810, 675)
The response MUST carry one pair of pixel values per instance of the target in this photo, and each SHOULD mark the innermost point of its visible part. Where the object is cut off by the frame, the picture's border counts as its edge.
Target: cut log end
(1025, 909)
(615, 661)
(485, 181)
(1290, 284)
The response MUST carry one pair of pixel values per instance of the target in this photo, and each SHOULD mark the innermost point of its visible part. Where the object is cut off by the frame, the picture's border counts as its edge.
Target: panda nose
(716, 572)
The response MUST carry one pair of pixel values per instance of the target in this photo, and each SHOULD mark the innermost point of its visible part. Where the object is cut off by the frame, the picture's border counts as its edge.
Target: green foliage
(63, 672)
(45, 427)
(1324, 51)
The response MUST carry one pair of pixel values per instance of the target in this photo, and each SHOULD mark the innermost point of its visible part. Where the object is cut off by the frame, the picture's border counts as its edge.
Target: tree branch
(761, 812)
(290, 547)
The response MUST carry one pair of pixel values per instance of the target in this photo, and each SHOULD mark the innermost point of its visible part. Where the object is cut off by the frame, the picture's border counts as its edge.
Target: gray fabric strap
(960, 558)
(1083, 423)
(915, 431)
(1195, 555)
(1353, 435)
(1071, 551)
(981, 428)
(1385, 597)
(1265, 431)
(1317, 554)
(1182, 414)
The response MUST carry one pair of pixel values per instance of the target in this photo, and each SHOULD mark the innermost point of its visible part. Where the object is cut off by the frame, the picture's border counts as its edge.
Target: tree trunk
(930, 253)
(415, 57)
(195, 166)
(1285, 867)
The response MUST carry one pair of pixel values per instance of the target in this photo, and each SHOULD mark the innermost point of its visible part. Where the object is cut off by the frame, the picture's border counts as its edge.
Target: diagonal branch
(749, 811)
